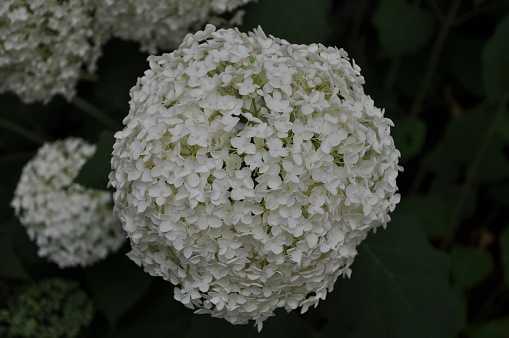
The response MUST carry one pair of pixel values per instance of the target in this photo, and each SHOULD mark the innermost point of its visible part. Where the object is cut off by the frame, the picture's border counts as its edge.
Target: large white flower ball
(249, 170)
(45, 45)
(71, 225)
(159, 24)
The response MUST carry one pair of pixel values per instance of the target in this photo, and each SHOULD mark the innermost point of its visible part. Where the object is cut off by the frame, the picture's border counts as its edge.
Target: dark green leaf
(495, 67)
(503, 242)
(409, 136)
(499, 193)
(502, 124)
(470, 266)
(462, 314)
(10, 264)
(298, 21)
(399, 288)
(158, 315)
(402, 28)
(494, 329)
(467, 70)
(281, 325)
(94, 174)
(431, 211)
(465, 133)
(117, 284)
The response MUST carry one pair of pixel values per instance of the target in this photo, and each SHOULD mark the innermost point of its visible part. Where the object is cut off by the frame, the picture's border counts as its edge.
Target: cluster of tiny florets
(45, 45)
(71, 225)
(159, 24)
(249, 170)
(50, 308)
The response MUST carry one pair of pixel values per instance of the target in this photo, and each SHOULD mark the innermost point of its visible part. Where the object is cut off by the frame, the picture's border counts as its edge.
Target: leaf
(10, 264)
(470, 266)
(157, 315)
(431, 211)
(94, 174)
(298, 21)
(466, 70)
(503, 242)
(495, 67)
(117, 284)
(280, 326)
(402, 28)
(502, 125)
(409, 136)
(399, 288)
(493, 329)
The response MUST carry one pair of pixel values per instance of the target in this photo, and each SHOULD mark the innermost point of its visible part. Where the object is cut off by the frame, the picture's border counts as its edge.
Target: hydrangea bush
(45, 45)
(249, 170)
(71, 225)
(159, 24)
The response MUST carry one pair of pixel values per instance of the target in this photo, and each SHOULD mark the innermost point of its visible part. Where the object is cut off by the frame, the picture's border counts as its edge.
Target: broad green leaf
(495, 67)
(409, 136)
(94, 174)
(494, 329)
(431, 211)
(10, 264)
(503, 242)
(399, 288)
(452, 192)
(499, 192)
(462, 313)
(466, 70)
(470, 266)
(442, 163)
(465, 133)
(281, 325)
(158, 315)
(502, 125)
(117, 284)
(298, 21)
(402, 28)
(495, 164)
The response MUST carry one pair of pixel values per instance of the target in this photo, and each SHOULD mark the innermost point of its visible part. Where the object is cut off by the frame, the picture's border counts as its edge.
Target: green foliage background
(441, 269)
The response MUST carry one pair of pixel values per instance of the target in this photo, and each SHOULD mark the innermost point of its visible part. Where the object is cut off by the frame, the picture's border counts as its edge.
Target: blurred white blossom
(249, 170)
(71, 225)
(45, 45)
(157, 24)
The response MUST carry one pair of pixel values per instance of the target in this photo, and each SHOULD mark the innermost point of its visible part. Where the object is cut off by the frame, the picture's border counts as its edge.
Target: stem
(96, 113)
(22, 131)
(472, 171)
(433, 59)
(437, 11)
(480, 10)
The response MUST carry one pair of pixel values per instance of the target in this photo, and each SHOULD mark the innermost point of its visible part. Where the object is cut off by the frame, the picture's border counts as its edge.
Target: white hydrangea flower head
(159, 24)
(71, 225)
(44, 46)
(249, 170)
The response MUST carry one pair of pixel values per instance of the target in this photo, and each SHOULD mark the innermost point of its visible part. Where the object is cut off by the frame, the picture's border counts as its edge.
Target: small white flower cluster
(72, 225)
(159, 24)
(249, 170)
(44, 44)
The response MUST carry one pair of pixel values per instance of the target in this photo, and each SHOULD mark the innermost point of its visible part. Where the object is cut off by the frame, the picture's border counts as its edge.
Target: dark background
(441, 269)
